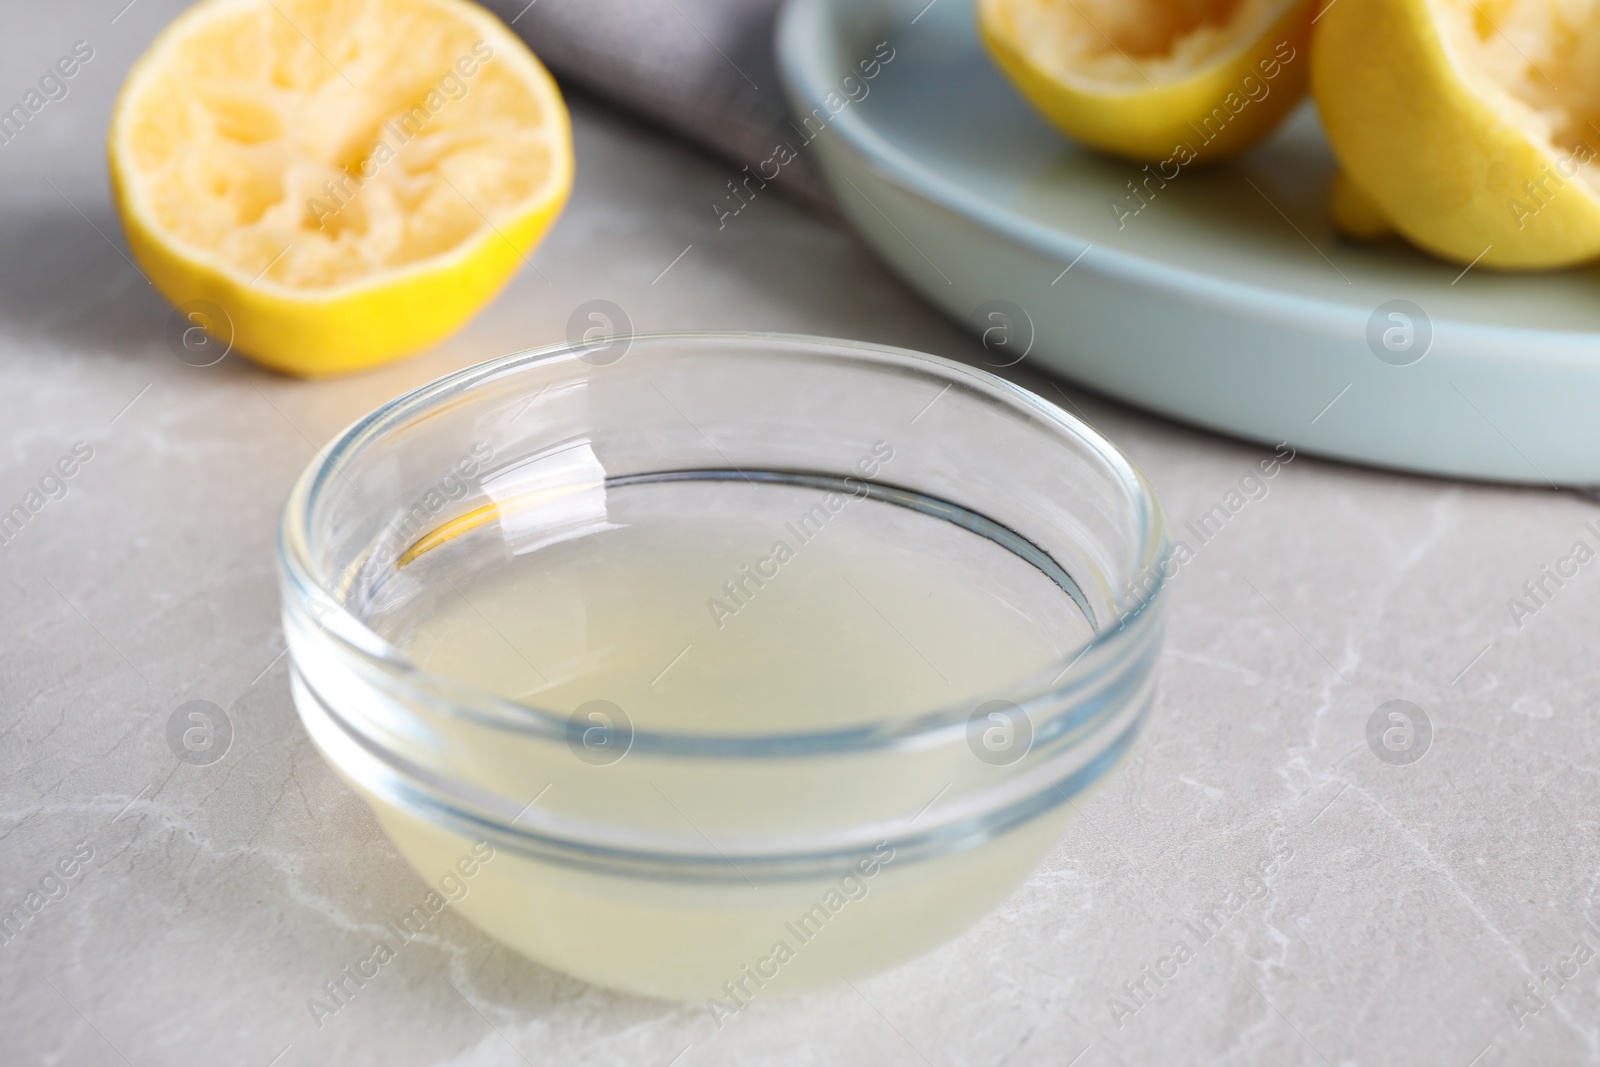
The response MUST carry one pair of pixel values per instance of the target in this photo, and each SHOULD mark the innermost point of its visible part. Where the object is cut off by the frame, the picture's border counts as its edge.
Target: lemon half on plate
(1473, 125)
(1155, 80)
(349, 181)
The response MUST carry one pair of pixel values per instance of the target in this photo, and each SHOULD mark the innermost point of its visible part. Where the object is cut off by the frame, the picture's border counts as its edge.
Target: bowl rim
(1112, 643)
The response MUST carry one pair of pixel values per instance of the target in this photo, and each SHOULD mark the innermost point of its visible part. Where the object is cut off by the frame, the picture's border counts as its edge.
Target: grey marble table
(1408, 909)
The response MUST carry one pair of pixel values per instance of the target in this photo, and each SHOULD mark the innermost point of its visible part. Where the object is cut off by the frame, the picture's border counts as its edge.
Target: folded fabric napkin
(704, 69)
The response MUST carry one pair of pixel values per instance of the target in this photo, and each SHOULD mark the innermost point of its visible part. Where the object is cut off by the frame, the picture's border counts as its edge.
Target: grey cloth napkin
(703, 69)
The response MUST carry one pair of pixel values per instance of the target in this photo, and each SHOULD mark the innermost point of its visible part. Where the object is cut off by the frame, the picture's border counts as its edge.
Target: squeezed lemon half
(1155, 80)
(1471, 125)
(348, 180)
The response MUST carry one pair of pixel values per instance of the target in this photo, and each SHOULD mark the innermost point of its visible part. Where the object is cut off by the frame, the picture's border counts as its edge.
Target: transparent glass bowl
(781, 823)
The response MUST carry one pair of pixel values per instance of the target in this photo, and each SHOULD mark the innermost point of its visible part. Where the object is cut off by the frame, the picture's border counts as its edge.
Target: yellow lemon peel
(1353, 211)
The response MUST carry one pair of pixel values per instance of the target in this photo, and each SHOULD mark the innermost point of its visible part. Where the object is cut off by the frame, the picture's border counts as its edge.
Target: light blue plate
(1226, 301)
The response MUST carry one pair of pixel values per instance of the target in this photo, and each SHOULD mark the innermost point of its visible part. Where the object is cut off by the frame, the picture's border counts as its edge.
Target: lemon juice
(734, 605)
(751, 608)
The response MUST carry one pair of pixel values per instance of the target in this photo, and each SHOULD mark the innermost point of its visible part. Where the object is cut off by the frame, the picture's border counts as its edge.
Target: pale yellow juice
(754, 614)
(731, 609)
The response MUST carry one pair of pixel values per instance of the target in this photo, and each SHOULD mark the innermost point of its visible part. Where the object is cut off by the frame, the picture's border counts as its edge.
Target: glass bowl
(722, 666)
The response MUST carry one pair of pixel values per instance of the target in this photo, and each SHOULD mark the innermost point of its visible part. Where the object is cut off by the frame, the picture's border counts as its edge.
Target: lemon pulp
(1118, 44)
(1537, 63)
